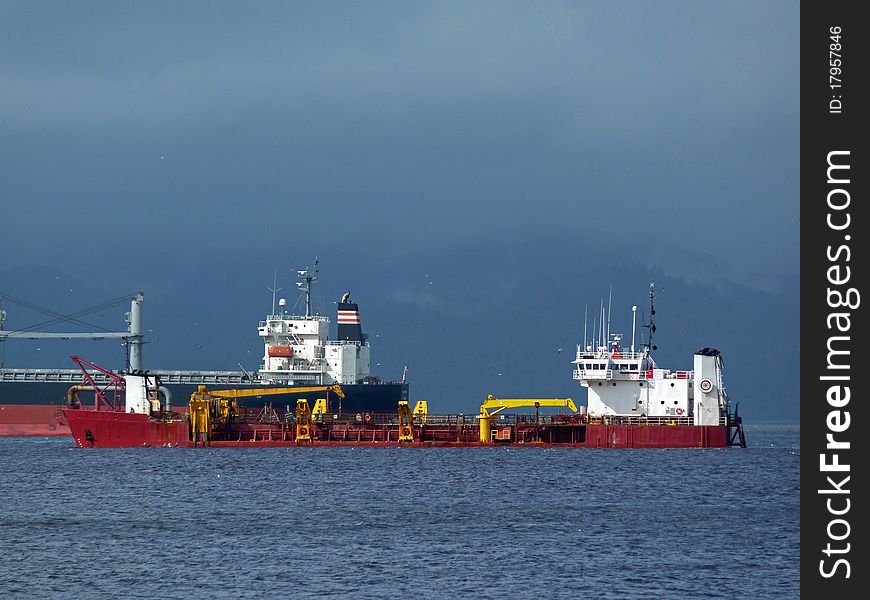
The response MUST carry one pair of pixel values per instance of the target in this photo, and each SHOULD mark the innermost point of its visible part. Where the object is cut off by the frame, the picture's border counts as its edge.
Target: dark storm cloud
(672, 125)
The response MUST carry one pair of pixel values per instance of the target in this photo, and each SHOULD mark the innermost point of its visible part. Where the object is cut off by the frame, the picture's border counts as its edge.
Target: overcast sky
(157, 137)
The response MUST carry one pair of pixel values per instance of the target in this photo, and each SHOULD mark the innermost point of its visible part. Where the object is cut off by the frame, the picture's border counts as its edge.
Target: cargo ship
(632, 403)
(298, 352)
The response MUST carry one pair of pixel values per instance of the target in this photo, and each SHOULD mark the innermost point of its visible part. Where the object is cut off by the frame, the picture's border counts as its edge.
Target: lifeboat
(280, 351)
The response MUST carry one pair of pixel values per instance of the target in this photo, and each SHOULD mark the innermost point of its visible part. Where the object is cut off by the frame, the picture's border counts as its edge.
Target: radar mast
(651, 325)
(308, 276)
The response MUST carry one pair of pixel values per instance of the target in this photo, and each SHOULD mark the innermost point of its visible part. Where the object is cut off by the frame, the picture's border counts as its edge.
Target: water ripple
(372, 523)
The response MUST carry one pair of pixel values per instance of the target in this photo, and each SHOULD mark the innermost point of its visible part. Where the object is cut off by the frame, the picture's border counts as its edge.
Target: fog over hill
(468, 322)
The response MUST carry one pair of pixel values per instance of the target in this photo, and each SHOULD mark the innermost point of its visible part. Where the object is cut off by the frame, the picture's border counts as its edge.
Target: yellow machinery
(406, 422)
(303, 420)
(204, 409)
(249, 393)
(209, 409)
(421, 412)
(492, 406)
(319, 407)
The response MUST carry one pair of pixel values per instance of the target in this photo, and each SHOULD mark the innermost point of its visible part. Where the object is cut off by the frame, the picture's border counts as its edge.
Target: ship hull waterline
(37, 409)
(106, 429)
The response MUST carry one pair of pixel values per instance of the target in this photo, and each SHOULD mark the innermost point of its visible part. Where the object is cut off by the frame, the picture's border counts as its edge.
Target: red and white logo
(348, 317)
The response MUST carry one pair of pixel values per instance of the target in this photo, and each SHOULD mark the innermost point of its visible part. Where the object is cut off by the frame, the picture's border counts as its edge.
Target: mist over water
(371, 523)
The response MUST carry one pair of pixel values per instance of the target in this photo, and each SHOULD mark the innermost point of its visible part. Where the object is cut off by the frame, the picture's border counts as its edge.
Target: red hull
(32, 419)
(116, 430)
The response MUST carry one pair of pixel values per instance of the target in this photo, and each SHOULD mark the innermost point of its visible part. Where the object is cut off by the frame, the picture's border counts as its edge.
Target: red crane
(116, 383)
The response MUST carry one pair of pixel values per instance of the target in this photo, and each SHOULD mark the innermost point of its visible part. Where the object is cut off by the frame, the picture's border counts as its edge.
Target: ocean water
(375, 523)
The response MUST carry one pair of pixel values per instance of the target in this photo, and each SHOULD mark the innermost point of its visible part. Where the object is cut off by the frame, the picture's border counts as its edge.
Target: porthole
(614, 384)
(641, 384)
(675, 402)
(672, 385)
(599, 384)
(663, 401)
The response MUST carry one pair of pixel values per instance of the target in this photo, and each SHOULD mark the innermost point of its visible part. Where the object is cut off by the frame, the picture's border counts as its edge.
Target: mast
(585, 321)
(652, 312)
(274, 289)
(308, 277)
(651, 325)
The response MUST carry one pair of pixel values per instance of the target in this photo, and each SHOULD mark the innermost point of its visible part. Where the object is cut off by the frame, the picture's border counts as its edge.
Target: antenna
(609, 303)
(274, 289)
(601, 340)
(633, 325)
(594, 328)
(585, 317)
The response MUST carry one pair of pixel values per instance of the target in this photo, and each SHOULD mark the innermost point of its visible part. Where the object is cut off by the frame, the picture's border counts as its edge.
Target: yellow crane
(248, 393)
(207, 408)
(492, 406)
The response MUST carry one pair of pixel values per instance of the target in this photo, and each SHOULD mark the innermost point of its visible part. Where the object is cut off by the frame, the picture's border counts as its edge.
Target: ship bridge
(625, 366)
(298, 349)
(602, 364)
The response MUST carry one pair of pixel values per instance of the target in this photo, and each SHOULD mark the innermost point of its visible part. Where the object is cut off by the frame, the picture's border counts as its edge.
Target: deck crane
(134, 337)
(492, 406)
(210, 408)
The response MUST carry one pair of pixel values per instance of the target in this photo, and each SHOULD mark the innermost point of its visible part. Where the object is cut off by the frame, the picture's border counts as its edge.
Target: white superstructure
(626, 383)
(297, 348)
(140, 394)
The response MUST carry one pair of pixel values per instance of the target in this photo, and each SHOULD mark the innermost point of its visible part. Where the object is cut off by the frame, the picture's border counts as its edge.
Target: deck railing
(630, 375)
(590, 355)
